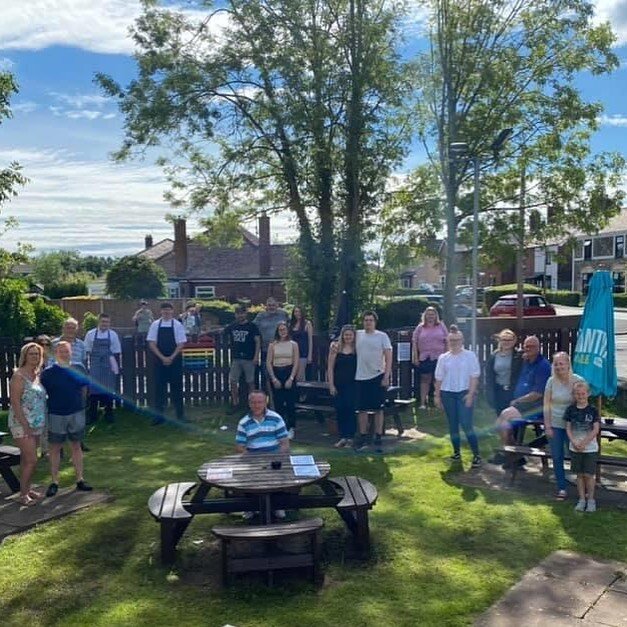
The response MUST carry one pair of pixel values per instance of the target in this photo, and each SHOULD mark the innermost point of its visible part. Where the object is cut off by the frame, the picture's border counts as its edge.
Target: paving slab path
(565, 589)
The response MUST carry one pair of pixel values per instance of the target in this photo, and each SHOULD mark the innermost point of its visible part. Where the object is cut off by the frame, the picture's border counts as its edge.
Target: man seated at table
(526, 404)
(261, 430)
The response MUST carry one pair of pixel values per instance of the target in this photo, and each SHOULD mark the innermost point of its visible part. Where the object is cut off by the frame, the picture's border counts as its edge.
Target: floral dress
(33, 406)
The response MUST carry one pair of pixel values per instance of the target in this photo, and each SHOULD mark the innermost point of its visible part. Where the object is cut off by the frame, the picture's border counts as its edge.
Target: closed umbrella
(595, 353)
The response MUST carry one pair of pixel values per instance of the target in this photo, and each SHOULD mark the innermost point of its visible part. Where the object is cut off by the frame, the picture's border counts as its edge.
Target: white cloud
(78, 100)
(28, 106)
(95, 25)
(614, 12)
(83, 114)
(6, 64)
(614, 120)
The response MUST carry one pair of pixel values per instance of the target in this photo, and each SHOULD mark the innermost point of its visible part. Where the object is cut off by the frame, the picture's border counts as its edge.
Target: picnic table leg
(168, 542)
(363, 530)
(397, 423)
(201, 493)
(11, 480)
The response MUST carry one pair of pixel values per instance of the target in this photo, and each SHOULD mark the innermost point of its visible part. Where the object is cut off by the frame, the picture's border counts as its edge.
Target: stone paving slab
(564, 589)
(620, 586)
(15, 518)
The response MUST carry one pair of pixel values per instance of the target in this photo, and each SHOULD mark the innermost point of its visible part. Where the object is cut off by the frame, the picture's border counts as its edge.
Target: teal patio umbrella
(595, 353)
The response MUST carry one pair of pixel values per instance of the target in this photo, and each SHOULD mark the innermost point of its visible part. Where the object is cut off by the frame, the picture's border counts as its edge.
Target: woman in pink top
(428, 343)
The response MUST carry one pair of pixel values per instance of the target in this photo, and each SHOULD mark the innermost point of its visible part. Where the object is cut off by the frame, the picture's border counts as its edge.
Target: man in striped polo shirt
(261, 430)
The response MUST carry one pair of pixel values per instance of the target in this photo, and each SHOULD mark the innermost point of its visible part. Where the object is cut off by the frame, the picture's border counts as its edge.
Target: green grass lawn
(441, 554)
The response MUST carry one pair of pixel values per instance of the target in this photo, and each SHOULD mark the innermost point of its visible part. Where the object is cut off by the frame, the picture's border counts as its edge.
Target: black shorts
(583, 463)
(427, 366)
(370, 394)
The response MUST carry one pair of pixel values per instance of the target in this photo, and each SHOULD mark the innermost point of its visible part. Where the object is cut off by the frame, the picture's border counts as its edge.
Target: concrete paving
(16, 518)
(564, 589)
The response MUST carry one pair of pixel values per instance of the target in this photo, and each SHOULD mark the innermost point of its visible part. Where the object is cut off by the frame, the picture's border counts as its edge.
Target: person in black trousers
(166, 338)
(341, 369)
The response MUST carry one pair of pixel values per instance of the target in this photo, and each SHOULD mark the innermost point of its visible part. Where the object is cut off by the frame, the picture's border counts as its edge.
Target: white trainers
(581, 505)
(279, 514)
(341, 443)
(591, 506)
(290, 434)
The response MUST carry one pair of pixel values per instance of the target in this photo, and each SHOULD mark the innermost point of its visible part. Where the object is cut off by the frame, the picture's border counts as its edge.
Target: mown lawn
(442, 552)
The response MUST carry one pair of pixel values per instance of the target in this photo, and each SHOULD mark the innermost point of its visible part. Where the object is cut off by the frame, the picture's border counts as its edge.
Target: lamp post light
(457, 150)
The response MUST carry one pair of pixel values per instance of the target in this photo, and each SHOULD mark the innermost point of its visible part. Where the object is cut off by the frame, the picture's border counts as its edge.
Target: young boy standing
(582, 427)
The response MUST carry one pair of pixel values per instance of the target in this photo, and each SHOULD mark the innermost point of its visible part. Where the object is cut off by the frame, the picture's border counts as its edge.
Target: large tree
(136, 277)
(493, 64)
(291, 105)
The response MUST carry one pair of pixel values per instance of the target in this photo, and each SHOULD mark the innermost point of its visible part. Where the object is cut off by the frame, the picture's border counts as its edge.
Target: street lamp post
(458, 150)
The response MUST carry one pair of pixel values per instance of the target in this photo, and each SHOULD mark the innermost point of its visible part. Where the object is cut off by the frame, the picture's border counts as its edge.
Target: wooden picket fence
(210, 385)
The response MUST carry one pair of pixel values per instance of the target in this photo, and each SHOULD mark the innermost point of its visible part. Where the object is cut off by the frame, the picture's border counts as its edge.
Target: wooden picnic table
(253, 474)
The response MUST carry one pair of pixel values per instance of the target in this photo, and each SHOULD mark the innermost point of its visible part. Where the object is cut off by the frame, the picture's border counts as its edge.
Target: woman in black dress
(341, 377)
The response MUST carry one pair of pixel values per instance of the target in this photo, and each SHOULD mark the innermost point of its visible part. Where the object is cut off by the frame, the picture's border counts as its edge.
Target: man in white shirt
(103, 349)
(374, 368)
(166, 338)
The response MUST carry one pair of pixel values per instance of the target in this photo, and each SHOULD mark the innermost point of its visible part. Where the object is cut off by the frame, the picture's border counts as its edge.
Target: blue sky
(63, 130)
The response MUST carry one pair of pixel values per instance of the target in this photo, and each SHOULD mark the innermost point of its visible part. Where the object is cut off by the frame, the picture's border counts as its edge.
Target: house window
(205, 291)
(619, 247)
(578, 249)
(586, 277)
(547, 258)
(603, 247)
(587, 249)
(406, 282)
(173, 290)
(619, 282)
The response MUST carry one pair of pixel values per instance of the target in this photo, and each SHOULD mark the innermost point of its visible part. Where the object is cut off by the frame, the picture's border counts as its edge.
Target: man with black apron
(103, 350)
(166, 338)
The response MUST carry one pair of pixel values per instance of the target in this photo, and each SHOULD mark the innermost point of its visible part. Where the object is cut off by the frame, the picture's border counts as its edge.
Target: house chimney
(180, 247)
(264, 245)
(148, 241)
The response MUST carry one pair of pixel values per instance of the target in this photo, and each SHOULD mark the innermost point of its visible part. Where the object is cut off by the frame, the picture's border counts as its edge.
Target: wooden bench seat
(359, 496)
(272, 558)
(9, 456)
(166, 507)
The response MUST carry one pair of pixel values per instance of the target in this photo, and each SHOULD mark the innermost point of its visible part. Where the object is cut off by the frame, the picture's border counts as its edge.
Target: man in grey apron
(166, 338)
(103, 352)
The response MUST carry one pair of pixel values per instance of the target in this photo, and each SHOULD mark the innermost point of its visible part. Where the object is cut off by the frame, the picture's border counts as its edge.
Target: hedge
(492, 294)
(620, 300)
(405, 312)
(563, 297)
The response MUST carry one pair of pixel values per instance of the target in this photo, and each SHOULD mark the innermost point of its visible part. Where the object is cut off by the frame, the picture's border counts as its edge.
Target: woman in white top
(282, 364)
(558, 395)
(456, 380)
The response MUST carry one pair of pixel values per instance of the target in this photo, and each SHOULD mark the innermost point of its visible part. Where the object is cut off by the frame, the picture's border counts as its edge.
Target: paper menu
(218, 474)
(302, 460)
(306, 471)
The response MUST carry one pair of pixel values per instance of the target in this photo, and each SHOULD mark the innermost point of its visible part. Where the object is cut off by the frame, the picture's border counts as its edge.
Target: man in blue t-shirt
(528, 394)
(66, 385)
(261, 430)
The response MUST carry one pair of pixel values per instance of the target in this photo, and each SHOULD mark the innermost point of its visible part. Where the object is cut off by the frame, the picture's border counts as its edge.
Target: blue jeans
(558, 445)
(458, 414)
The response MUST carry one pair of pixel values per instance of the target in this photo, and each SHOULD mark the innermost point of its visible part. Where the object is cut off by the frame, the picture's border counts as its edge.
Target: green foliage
(404, 312)
(564, 297)
(70, 287)
(620, 300)
(221, 310)
(492, 294)
(90, 321)
(136, 277)
(48, 318)
(18, 314)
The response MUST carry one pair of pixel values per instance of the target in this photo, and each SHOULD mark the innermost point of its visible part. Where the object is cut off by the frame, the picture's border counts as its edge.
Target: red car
(533, 305)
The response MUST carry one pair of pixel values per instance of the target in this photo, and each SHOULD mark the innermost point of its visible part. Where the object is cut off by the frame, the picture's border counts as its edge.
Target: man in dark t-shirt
(66, 387)
(245, 343)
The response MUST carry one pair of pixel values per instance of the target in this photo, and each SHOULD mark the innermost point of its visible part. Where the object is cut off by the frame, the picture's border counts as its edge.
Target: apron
(166, 342)
(100, 366)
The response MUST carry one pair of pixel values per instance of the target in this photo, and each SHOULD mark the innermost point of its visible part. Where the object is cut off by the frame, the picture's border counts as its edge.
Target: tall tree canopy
(290, 105)
(494, 64)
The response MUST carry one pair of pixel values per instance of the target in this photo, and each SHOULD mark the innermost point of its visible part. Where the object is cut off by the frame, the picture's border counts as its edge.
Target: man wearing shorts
(374, 367)
(245, 343)
(66, 387)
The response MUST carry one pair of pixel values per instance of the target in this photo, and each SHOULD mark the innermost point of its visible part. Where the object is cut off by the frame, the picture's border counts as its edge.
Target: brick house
(254, 271)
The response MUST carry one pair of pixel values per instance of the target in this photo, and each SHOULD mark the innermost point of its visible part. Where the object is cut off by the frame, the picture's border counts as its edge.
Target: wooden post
(129, 379)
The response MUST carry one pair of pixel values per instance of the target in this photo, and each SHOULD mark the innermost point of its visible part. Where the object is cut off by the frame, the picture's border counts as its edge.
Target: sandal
(27, 500)
(561, 495)
(35, 495)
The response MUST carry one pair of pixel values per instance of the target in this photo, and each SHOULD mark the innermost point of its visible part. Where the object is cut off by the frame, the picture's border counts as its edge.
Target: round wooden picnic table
(252, 473)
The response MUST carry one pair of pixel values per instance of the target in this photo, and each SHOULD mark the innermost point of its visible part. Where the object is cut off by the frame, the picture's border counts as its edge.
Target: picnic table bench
(9, 457)
(272, 558)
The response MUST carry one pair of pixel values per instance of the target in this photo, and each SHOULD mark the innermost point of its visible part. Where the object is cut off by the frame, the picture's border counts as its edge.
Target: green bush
(620, 300)
(90, 321)
(492, 294)
(48, 318)
(563, 297)
(401, 313)
(67, 288)
(222, 311)
(18, 314)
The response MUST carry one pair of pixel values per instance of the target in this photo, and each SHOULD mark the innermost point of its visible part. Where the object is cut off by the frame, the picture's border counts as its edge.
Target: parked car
(533, 305)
